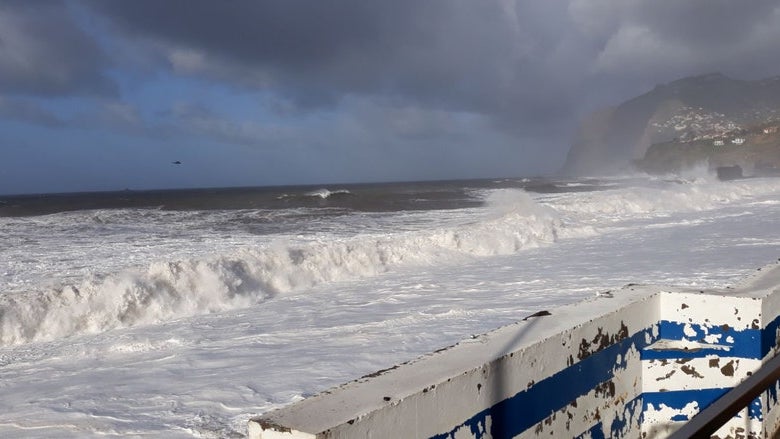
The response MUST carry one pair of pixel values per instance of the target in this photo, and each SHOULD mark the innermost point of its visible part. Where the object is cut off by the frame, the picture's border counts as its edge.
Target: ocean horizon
(186, 312)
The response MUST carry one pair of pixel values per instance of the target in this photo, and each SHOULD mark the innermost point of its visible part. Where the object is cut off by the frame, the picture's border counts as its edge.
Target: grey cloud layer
(44, 52)
(28, 112)
(515, 60)
(530, 68)
(446, 53)
(655, 41)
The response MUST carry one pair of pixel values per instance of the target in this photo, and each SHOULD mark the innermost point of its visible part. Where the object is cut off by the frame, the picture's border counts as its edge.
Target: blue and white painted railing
(637, 362)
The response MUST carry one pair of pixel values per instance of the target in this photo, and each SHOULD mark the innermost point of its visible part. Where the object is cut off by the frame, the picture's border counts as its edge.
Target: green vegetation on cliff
(676, 124)
(756, 150)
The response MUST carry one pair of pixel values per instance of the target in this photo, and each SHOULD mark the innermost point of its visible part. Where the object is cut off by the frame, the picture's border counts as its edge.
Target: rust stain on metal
(728, 369)
(714, 362)
(584, 349)
(667, 376)
(605, 389)
(623, 332)
(601, 341)
(690, 370)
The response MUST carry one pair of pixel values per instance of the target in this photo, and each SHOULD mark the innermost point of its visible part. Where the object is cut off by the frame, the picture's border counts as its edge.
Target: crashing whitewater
(182, 323)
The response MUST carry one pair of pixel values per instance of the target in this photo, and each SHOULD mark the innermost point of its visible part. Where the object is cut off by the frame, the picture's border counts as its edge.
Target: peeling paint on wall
(639, 369)
(604, 358)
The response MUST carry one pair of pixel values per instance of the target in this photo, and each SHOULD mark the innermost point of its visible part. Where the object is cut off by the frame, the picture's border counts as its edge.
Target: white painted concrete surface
(641, 360)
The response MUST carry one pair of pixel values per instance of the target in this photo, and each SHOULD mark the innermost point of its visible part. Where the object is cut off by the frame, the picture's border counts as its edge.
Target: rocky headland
(710, 119)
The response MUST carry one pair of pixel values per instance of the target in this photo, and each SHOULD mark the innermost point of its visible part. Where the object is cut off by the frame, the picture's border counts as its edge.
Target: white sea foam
(318, 193)
(173, 289)
(664, 199)
(325, 193)
(195, 284)
(223, 324)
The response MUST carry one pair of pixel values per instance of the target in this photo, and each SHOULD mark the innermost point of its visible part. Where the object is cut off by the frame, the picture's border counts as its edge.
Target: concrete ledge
(591, 369)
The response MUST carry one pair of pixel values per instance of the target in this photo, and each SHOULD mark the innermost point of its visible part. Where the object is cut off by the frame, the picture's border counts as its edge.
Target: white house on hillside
(738, 141)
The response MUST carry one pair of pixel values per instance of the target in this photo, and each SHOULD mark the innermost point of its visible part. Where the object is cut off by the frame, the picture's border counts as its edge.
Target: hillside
(688, 113)
(756, 150)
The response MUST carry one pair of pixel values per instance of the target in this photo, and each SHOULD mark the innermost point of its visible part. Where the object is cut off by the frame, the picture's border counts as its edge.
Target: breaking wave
(238, 278)
(660, 200)
(322, 194)
(174, 289)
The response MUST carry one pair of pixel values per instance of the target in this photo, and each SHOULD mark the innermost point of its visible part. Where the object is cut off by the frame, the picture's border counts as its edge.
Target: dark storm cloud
(529, 65)
(409, 69)
(704, 23)
(44, 52)
(649, 42)
(501, 59)
(444, 53)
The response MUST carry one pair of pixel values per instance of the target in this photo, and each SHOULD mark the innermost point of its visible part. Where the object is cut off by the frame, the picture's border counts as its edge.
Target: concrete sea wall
(634, 362)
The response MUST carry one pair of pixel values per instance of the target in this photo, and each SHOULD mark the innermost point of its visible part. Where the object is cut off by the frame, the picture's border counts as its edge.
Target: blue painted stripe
(623, 423)
(769, 342)
(772, 394)
(525, 409)
(742, 338)
(595, 432)
(532, 406)
(745, 343)
(769, 336)
(672, 354)
(678, 399)
(619, 427)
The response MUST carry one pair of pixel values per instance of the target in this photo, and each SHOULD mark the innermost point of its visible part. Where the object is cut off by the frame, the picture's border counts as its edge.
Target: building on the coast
(738, 141)
(770, 130)
(718, 143)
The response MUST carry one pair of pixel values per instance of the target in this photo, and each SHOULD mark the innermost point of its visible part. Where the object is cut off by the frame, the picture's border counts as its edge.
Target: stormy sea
(183, 313)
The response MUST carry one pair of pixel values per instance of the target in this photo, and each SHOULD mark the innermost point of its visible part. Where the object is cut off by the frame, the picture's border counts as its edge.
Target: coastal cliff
(755, 150)
(709, 118)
